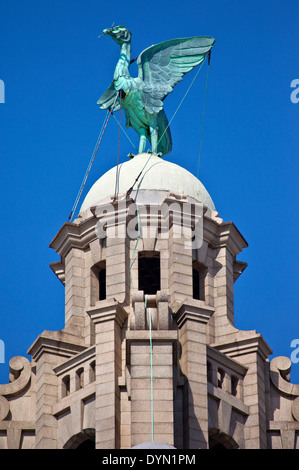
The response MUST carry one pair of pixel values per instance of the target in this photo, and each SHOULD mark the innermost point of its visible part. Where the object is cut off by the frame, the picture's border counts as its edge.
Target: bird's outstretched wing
(107, 99)
(163, 65)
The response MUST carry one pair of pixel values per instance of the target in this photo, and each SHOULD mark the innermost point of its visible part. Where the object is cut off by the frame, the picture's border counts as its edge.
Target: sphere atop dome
(157, 175)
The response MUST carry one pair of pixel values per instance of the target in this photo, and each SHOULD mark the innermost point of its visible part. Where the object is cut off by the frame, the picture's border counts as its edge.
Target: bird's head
(120, 34)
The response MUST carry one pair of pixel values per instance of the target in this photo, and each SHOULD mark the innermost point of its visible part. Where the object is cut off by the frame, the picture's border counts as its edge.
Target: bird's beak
(107, 31)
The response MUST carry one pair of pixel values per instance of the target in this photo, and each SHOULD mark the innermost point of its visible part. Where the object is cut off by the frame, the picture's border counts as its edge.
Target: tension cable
(109, 112)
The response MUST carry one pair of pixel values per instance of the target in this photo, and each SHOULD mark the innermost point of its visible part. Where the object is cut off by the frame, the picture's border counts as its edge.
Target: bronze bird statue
(160, 68)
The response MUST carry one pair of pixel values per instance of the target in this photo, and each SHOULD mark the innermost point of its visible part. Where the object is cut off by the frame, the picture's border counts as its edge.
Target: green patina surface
(160, 68)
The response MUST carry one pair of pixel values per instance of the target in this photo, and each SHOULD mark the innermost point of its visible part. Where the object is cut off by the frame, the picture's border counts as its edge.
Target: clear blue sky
(55, 68)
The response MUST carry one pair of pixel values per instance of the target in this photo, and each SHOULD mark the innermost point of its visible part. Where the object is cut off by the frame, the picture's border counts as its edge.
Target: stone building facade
(149, 351)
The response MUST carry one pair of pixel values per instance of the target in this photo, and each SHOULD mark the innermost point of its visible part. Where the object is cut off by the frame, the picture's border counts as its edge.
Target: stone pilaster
(108, 317)
(74, 290)
(50, 349)
(228, 243)
(224, 292)
(151, 414)
(180, 265)
(117, 255)
(192, 323)
(252, 351)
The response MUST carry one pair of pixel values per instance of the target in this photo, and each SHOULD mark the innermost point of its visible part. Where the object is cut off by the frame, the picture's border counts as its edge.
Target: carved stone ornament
(20, 373)
(280, 368)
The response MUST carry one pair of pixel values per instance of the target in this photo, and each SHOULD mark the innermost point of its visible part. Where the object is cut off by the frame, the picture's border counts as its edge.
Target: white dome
(157, 175)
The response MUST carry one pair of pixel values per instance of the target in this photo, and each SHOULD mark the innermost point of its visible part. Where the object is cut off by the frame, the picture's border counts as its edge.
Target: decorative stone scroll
(4, 408)
(279, 371)
(20, 374)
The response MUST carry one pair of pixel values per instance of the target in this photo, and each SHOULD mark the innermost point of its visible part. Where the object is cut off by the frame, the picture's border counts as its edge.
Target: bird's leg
(154, 134)
(142, 141)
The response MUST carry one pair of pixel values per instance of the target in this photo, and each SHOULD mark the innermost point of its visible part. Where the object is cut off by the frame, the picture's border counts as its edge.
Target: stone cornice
(239, 267)
(244, 342)
(80, 233)
(58, 343)
(58, 269)
(108, 310)
(193, 310)
(228, 235)
(74, 235)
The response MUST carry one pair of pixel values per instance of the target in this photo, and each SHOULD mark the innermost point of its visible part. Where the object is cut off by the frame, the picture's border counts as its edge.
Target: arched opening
(84, 440)
(219, 440)
(98, 282)
(89, 444)
(92, 371)
(65, 386)
(80, 378)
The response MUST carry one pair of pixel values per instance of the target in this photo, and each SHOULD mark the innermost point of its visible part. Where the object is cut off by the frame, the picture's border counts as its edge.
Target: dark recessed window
(149, 273)
(209, 372)
(102, 284)
(234, 384)
(198, 277)
(65, 386)
(195, 275)
(80, 378)
(98, 283)
(92, 371)
(220, 377)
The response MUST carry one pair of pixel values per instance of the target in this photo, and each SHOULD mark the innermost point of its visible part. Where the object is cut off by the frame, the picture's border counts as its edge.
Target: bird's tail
(164, 135)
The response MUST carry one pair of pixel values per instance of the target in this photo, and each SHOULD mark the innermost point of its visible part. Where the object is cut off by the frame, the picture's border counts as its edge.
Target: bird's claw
(153, 153)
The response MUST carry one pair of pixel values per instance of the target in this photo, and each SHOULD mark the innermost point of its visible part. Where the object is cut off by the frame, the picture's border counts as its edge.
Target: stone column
(180, 265)
(108, 318)
(74, 291)
(117, 255)
(224, 293)
(49, 350)
(192, 323)
(151, 414)
(252, 351)
(229, 243)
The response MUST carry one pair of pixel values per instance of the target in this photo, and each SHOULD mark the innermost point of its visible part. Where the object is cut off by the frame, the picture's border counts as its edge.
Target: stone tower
(149, 351)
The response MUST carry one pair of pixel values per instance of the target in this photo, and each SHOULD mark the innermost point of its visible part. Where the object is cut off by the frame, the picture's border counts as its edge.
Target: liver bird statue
(160, 68)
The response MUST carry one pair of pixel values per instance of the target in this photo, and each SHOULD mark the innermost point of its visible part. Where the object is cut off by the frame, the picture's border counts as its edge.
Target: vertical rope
(115, 118)
(92, 160)
(180, 104)
(203, 117)
(138, 236)
(117, 161)
(152, 391)
(88, 169)
(151, 353)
